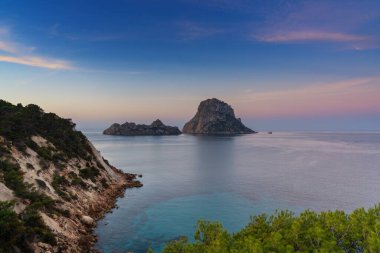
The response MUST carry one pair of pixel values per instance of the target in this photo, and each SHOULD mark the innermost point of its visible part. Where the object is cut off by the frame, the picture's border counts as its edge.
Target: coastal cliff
(54, 184)
(215, 117)
(132, 129)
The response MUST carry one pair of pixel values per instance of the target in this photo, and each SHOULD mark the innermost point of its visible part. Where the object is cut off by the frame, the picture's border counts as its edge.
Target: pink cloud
(36, 62)
(339, 98)
(7, 47)
(17, 53)
(311, 36)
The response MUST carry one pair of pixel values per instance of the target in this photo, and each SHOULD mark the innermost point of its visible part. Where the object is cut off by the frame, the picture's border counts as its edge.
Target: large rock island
(215, 117)
(133, 129)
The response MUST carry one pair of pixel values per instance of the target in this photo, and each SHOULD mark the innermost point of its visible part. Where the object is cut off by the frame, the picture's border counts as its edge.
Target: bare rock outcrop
(133, 129)
(215, 117)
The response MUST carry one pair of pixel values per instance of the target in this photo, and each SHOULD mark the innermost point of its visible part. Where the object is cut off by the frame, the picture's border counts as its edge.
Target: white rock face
(87, 220)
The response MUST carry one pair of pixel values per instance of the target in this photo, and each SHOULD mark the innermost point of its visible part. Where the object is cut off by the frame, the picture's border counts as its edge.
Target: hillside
(54, 184)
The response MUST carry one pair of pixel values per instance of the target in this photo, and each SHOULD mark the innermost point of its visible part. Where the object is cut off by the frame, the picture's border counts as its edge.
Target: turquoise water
(187, 178)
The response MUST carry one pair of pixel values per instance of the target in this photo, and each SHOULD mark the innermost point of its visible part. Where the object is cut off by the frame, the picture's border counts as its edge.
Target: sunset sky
(282, 65)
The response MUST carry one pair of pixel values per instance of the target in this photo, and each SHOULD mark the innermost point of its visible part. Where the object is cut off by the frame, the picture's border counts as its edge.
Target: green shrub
(104, 183)
(35, 226)
(17, 231)
(89, 173)
(19, 123)
(44, 164)
(331, 231)
(13, 179)
(59, 180)
(41, 183)
(11, 227)
(58, 184)
(3, 149)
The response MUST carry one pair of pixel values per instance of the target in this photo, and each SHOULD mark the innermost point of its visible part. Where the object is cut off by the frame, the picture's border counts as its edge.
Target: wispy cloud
(193, 30)
(37, 62)
(354, 96)
(321, 21)
(56, 31)
(7, 47)
(296, 36)
(13, 52)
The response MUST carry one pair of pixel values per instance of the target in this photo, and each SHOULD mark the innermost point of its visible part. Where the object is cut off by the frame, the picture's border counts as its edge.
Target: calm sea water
(187, 178)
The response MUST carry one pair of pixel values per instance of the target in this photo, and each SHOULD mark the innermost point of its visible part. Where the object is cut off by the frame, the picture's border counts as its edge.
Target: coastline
(106, 202)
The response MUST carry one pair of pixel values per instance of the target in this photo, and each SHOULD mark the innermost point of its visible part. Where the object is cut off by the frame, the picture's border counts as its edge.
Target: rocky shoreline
(53, 182)
(106, 203)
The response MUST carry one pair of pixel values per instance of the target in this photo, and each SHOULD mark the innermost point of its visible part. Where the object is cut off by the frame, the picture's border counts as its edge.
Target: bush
(17, 231)
(34, 225)
(13, 179)
(3, 149)
(331, 231)
(43, 164)
(89, 173)
(29, 166)
(11, 227)
(19, 123)
(104, 183)
(58, 183)
(41, 183)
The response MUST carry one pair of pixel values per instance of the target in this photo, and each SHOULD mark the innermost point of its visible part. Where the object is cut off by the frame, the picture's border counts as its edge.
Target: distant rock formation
(132, 129)
(215, 117)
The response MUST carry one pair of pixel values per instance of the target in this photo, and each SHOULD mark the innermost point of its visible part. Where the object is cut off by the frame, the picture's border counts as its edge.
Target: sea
(229, 179)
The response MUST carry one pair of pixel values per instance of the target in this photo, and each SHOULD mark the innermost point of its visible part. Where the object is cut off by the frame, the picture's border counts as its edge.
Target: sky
(282, 65)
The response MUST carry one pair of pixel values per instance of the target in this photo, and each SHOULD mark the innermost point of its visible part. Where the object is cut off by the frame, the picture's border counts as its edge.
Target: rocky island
(133, 129)
(54, 184)
(215, 117)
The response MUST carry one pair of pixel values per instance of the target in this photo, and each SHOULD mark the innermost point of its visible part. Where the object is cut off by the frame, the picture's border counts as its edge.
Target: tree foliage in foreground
(331, 231)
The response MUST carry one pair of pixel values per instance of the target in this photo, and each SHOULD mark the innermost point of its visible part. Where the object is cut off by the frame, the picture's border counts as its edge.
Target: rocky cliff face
(53, 183)
(132, 129)
(215, 117)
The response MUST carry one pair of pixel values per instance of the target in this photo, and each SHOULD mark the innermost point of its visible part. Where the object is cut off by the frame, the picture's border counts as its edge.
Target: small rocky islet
(133, 129)
(215, 117)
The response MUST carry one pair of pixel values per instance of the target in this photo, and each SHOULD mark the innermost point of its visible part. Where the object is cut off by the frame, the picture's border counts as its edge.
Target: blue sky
(283, 65)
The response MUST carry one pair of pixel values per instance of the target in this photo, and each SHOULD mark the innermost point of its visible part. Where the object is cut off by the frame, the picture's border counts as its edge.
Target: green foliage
(19, 123)
(4, 149)
(43, 164)
(13, 179)
(29, 166)
(16, 230)
(104, 183)
(331, 231)
(58, 184)
(35, 226)
(59, 180)
(41, 183)
(89, 173)
(11, 227)
(75, 180)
